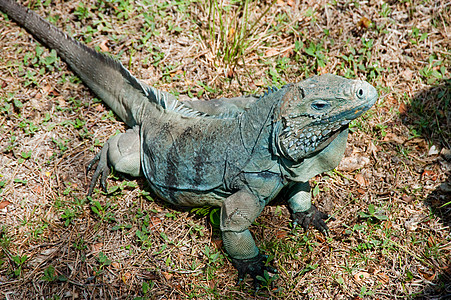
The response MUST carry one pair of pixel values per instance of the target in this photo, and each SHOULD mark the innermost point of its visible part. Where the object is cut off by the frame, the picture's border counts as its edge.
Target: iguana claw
(312, 216)
(102, 169)
(254, 267)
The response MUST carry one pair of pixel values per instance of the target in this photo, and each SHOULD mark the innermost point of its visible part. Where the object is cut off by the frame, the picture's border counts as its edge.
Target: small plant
(50, 275)
(213, 213)
(231, 31)
(266, 281)
(373, 214)
(19, 261)
(103, 260)
(215, 261)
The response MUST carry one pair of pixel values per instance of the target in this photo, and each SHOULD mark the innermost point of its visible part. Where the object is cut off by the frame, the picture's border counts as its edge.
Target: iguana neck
(261, 117)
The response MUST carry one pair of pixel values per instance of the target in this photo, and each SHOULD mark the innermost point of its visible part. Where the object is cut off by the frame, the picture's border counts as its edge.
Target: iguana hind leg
(304, 213)
(122, 152)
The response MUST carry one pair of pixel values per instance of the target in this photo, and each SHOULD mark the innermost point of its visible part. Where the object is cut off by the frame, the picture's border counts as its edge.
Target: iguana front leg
(304, 213)
(237, 214)
(122, 152)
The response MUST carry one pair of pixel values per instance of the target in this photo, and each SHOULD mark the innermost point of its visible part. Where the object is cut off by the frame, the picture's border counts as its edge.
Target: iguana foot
(121, 152)
(102, 169)
(254, 267)
(312, 216)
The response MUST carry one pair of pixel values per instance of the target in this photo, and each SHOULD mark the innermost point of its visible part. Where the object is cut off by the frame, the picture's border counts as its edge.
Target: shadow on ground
(429, 115)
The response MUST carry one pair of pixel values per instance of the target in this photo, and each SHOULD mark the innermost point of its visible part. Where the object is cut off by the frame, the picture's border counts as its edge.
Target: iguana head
(314, 111)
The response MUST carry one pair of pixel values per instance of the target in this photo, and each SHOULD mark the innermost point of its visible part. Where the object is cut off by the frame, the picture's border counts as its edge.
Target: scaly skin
(237, 153)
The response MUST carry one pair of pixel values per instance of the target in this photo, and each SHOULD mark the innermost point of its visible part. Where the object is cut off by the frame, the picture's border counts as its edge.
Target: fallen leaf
(383, 278)
(167, 275)
(429, 173)
(407, 74)
(353, 163)
(387, 224)
(37, 189)
(4, 204)
(361, 276)
(427, 276)
(364, 23)
(402, 108)
(281, 234)
(390, 137)
(103, 46)
(360, 179)
(271, 52)
(431, 242)
(116, 265)
(217, 243)
(126, 277)
(412, 223)
(96, 247)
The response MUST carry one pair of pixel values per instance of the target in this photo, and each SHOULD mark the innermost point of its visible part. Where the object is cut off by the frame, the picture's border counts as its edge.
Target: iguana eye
(320, 105)
(360, 93)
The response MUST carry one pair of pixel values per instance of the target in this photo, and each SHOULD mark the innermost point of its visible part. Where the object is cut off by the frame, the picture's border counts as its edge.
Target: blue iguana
(237, 153)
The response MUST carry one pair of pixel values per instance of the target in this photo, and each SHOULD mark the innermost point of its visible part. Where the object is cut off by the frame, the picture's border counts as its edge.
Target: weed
(19, 261)
(373, 214)
(215, 261)
(50, 275)
(231, 31)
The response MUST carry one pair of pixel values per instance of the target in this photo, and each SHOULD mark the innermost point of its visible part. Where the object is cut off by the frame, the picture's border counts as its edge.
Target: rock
(433, 151)
(446, 154)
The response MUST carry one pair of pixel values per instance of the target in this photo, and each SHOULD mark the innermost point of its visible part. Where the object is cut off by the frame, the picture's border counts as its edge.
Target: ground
(390, 196)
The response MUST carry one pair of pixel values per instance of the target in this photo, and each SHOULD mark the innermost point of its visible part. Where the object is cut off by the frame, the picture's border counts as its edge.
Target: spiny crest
(162, 99)
(270, 91)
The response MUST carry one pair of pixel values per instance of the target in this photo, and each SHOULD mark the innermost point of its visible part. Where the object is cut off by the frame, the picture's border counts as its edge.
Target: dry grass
(134, 246)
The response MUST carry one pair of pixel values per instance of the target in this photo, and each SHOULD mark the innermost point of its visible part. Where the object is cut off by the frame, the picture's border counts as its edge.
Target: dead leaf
(383, 278)
(412, 223)
(391, 137)
(364, 23)
(360, 179)
(353, 163)
(96, 247)
(100, 108)
(4, 204)
(402, 108)
(426, 275)
(37, 189)
(431, 242)
(430, 174)
(281, 234)
(407, 74)
(62, 102)
(271, 52)
(167, 275)
(103, 46)
(126, 277)
(217, 243)
(116, 265)
(387, 224)
(362, 275)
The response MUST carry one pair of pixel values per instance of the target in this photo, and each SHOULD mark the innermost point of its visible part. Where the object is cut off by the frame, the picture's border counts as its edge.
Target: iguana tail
(106, 77)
